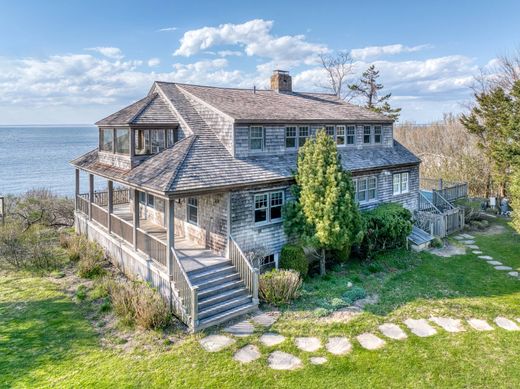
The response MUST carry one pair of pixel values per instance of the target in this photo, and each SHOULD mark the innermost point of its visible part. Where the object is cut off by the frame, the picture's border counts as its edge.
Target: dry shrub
(91, 260)
(76, 245)
(279, 286)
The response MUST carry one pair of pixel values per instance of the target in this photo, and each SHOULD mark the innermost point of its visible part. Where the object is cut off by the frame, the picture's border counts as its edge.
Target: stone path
(243, 328)
(392, 331)
(370, 341)
(309, 344)
(506, 324)
(214, 343)
(480, 325)
(338, 345)
(318, 360)
(448, 324)
(271, 339)
(420, 327)
(247, 354)
(278, 360)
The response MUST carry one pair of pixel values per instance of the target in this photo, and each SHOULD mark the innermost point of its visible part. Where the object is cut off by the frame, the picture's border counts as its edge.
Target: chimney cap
(279, 71)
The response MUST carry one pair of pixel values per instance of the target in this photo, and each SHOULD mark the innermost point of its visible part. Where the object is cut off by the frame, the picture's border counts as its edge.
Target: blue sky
(77, 61)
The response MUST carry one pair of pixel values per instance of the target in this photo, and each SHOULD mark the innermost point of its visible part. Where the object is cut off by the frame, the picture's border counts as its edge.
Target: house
(197, 176)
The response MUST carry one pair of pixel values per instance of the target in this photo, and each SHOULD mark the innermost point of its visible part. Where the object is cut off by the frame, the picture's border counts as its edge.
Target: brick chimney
(281, 81)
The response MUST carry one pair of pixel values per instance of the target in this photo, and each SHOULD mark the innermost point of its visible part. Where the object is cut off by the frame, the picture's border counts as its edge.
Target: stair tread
(209, 268)
(211, 272)
(202, 283)
(224, 303)
(212, 289)
(229, 313)
(225, 293)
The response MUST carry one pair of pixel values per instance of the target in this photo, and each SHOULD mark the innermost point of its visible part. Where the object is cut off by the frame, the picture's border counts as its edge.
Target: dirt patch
(448, 250)
(343, 315)
(494, 229)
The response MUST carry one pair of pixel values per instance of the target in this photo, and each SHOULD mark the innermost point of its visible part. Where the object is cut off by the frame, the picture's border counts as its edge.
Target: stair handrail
(247, 272)
(424, 198)
(445, 202)
(187, 291)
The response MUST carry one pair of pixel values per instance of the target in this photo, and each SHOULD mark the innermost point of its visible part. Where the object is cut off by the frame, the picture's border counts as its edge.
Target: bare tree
(338, 68)
(502, 74)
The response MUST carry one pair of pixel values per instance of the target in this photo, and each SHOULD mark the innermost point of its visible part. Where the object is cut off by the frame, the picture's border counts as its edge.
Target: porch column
(76, 192)
(136, 216)
(90, 194)
(171, 233)
(110, 206)
(228, 225)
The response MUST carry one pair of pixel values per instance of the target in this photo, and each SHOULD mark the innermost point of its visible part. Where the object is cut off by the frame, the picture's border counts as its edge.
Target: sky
(75, 62)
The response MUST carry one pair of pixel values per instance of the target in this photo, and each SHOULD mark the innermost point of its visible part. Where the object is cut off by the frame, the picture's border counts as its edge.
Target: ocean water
(36, 157)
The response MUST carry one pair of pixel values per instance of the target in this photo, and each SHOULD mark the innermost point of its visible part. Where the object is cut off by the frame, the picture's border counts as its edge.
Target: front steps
(222, 295)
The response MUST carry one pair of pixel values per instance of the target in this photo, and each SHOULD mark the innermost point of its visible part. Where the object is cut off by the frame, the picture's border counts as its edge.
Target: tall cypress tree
(324, 214)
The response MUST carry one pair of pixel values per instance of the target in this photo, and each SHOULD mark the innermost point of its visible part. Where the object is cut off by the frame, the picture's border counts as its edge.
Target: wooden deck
(191, 255)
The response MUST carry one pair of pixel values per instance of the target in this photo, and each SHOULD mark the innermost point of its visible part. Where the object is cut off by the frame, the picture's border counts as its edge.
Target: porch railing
(187, 292)
(122, 228)
(153, 247)
(100, 215)
(82, 203)
(248, 274)
(119, 196)
(450, 190)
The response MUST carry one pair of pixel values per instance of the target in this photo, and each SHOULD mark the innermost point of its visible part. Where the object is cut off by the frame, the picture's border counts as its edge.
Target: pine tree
(324, 214)
(368, 88)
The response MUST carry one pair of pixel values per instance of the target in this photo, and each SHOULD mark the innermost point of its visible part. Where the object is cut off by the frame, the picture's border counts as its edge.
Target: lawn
(47, 339)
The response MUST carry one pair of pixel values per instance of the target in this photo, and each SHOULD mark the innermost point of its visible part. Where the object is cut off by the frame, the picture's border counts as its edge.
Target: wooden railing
(100, 215)
(440, 202)
(119, 196)
(451, 191)
(122, 228)
(82, 203)
(153, 247)
(425, 205)
(248, 274)
(187, 292)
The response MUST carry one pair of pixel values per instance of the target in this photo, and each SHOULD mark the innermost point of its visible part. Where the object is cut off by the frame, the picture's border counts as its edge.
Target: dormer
(137, 132)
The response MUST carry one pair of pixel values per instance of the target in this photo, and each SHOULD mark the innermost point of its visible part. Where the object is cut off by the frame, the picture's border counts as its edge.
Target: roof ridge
(192, 139)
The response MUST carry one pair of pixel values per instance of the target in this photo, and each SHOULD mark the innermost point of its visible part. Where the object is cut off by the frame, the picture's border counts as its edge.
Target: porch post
(90, 195)
(110, 206)
(170, 205)
(136, 216)
(228, 224)
(76, 192)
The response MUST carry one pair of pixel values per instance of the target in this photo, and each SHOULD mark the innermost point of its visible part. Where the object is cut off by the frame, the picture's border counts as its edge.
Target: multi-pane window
(303, 134)
(157, 141)
(351, 135)
(268, 207)
(290, 137)
(153, 141)
(193, 204)
(106, 139)
(340, 135)
(268, 260)
(367, 131)
(401, 183)
(150, 200)
(365, 189)
(170, 138)
(142, 197)
(329, 131)
(122, 141)
(256, 138)
(377, 134)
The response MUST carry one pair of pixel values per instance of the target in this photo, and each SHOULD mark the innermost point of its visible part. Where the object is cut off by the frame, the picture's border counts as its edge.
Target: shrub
(437, 243)
(337, 303)
(320, 312)
(387, 226)
(76, 244)
(354, 294)
(279, 286)
(91, 261)
(81, 292)
(293, 258)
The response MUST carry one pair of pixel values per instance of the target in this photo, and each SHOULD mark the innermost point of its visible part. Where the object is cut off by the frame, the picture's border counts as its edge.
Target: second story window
(378, 130)
(268, 207)
(330, 131)
(122, 141)
(303, 134)
(290, 137)
(256, 138)
(340, 135)
(153, 141)
(367, 134)
(106, 139)
(351, 135)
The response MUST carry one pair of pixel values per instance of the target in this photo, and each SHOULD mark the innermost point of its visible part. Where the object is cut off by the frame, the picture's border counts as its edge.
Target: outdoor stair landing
(221, 293)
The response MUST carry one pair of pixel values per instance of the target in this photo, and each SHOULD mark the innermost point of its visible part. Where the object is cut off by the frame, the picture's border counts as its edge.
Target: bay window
(106, 139)
(123, 141)
(268, 207)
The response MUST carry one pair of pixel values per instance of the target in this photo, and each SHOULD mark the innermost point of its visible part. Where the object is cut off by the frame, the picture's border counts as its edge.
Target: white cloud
(166, 29)
(256, 39)
(109, 52)
(230, 53)
(154, 62)
(377, 51)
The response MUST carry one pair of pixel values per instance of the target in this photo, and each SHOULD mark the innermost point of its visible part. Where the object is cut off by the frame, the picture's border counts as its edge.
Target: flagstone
(477, 252)
(506, 324)
(513, 273)
(318, 360)
(472, 246)
(506, 268)
(486, 257)
(480, 325)
(309, 344)
(271, 339)
(449, 324)
(243, 328)
(392, 331)
(468, 241)
(370, 341)
(266, 319)
(468, 236)
(420, 327)
(494, 263)
(214, 343)
(459, 237)
(247, 354)
(278, 360)
(338, 345)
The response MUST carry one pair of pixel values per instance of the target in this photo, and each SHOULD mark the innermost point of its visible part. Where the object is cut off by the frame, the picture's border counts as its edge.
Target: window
(351, 135)
(122, 141)
(170, 138)
(106, 139)
(367, 130)
(268, 260)
(378, 130)
(365, 189)
(153, 141)
(157, 141)
(159, 204)
(303, 134)
(290, 137)
(193, 216)
(142, 197)
(150, 200)
(340, 135)
(256, 138)
(268, 207)
(401, 183)
(329, 131)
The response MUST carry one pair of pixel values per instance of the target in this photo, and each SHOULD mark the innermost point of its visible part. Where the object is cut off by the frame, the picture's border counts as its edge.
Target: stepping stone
(309, 344)
(506, 268)
(468, 242)
(247, 354)
(338, 345)
(494, 263)
(420, 327)
(392, 331)
(271, 339)
(472, 246)
(243, 328)
(449, 324)
(214, 343)
(468, 236)
(370, 341)
(459, 237)
(513, 273)
(477, 252)
(278, 360)
(480, 325)
(486, 257)
(318, 360)
(506, 324)
(266, 319)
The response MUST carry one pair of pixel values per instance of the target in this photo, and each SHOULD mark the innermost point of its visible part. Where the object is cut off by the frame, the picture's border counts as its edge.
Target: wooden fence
(441, 219)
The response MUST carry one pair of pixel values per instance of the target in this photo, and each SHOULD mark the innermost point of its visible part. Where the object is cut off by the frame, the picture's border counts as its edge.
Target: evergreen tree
(324, 214)
(368, 88)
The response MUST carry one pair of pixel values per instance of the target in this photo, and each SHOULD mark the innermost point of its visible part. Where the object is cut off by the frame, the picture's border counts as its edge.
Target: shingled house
(197, 176)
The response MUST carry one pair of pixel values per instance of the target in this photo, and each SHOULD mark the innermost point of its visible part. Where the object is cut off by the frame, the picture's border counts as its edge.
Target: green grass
(46, 340)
